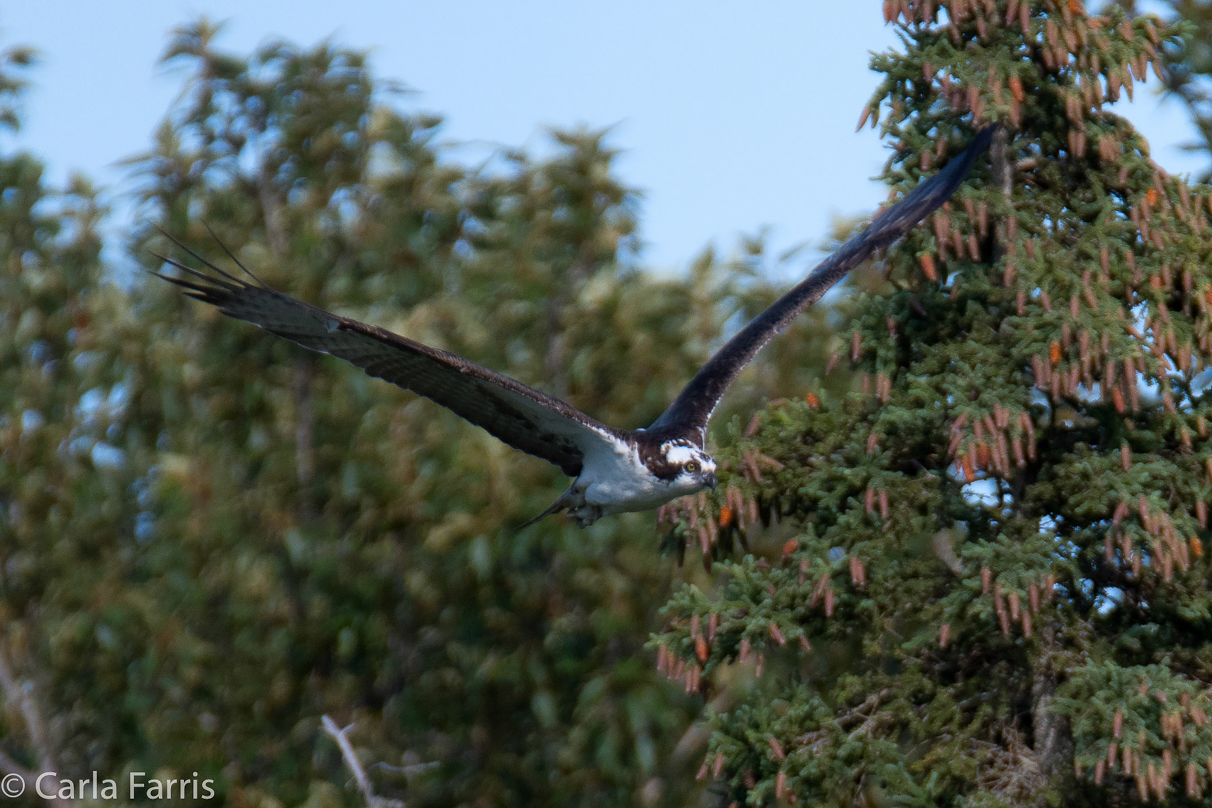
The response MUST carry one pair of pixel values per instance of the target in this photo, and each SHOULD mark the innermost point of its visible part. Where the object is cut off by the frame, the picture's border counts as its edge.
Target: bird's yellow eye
(693, 467)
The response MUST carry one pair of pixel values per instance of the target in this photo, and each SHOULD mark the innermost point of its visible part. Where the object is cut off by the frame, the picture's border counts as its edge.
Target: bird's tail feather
(565, 501)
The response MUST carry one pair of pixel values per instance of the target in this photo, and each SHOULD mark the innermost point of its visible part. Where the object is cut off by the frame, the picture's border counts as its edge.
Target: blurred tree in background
(994, 591)
(63, 480)
(211, 538)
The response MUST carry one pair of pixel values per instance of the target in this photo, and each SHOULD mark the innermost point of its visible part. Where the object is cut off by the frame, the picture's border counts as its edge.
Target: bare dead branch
(20, 694)
(355, 766)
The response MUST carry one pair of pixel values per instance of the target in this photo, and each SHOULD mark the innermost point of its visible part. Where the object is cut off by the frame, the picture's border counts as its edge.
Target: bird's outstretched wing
(525, 418)
(691, 410)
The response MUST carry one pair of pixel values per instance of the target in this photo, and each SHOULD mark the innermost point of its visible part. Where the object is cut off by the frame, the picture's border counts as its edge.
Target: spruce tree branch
(865, 713)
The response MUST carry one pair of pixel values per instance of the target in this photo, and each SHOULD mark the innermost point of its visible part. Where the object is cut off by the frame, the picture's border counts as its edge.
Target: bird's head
(695, 468)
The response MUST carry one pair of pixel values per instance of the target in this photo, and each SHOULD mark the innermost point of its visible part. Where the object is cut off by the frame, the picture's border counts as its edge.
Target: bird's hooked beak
(711, 481)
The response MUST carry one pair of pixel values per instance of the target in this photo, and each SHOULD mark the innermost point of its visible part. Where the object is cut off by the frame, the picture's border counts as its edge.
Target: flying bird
(614, 470)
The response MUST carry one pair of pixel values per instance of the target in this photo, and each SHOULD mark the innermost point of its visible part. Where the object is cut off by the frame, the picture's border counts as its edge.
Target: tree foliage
(210, 538)
(993, 588)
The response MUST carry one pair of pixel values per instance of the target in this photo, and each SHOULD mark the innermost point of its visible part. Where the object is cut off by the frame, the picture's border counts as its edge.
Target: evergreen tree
(993, 588)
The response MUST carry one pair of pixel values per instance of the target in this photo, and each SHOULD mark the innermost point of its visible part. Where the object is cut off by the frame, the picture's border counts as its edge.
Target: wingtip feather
(227, 276)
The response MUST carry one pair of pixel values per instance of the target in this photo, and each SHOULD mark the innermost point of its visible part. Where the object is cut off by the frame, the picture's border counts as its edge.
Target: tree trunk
(1053, 745)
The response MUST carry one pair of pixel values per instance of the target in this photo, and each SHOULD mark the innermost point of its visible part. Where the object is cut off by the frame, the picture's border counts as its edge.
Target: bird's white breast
(614, 479)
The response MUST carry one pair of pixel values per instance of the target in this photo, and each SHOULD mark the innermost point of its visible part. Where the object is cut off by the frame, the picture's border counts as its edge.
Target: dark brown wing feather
(525, 418)
(690, 411)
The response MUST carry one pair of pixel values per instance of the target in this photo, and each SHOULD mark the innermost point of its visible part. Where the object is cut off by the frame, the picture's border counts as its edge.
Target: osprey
(615, 470)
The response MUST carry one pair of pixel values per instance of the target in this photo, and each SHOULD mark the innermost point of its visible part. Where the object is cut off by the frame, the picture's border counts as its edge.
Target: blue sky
(731, 116)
